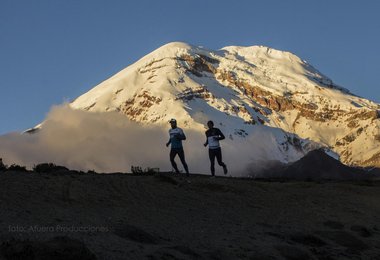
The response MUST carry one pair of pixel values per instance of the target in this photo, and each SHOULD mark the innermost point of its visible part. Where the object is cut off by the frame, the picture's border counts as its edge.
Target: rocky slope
(241, 88)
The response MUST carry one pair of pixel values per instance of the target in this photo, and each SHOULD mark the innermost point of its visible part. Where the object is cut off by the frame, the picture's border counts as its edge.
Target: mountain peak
(181, 45)
(171, 49)
(243, 88)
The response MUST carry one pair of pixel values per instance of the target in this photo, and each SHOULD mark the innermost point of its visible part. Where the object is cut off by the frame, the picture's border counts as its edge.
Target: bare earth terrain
(116, 216)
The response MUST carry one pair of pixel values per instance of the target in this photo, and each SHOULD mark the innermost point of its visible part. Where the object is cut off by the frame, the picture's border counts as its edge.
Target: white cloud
(109, 142)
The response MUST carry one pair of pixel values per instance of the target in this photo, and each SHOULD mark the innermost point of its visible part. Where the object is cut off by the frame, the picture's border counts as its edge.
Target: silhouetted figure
(213, 136)
(176, 136)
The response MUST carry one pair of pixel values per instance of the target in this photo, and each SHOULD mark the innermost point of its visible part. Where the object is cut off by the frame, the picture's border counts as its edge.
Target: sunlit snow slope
(243, 89)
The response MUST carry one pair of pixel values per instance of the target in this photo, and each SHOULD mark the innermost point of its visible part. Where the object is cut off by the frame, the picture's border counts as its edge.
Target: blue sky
(52, 51)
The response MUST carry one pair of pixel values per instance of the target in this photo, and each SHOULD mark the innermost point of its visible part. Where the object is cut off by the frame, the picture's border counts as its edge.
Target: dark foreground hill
(89, 216)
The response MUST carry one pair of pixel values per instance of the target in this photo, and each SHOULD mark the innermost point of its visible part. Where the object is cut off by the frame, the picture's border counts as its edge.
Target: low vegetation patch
(49, 168)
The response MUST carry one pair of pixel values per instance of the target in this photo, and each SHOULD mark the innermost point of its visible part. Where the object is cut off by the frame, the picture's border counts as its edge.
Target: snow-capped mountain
(242, 89)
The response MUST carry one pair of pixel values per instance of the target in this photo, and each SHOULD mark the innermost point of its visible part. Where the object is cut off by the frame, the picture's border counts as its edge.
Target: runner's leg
(218, 153)
(211, 155)
(173, 153)
(181, 155)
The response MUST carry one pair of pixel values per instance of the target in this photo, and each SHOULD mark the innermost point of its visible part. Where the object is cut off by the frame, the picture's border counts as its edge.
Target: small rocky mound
(318, 165)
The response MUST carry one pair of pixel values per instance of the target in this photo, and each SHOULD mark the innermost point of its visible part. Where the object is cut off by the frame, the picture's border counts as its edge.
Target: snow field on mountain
(278, 72)
(270, 104)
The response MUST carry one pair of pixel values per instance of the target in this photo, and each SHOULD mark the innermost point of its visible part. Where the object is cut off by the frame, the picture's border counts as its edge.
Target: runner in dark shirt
(176, 136)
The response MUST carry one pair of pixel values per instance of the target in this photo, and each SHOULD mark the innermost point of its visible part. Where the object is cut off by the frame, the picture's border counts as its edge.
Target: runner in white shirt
(214, 135)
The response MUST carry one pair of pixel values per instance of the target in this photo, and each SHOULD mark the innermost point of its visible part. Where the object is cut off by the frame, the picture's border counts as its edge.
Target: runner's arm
(182, 136)
(221, 135)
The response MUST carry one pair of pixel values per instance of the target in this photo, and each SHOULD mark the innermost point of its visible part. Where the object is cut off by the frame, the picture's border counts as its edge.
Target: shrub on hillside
(138, 170)
(49, 168)
(3, 167)
(17, 168)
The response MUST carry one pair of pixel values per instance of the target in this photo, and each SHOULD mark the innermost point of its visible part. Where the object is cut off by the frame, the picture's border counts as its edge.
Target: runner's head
(210, 124)
(173, 123)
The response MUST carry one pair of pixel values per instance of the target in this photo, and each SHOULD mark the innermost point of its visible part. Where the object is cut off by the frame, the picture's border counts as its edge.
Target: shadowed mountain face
(315, 165)
(318, 165)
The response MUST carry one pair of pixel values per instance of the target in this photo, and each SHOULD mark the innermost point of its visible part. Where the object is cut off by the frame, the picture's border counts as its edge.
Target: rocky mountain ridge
(241, 88)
